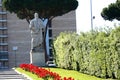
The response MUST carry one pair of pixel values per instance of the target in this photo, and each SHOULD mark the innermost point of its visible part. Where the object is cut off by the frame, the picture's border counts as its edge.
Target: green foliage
(46, 8)
(95, 53)
(65, 45)
(112, 11)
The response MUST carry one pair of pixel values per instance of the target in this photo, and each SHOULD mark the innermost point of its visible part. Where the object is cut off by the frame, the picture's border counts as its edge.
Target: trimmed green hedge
(95, 53)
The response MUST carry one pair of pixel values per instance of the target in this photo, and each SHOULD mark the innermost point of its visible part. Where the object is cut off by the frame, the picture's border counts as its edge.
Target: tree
(47, 9)
(112, 11)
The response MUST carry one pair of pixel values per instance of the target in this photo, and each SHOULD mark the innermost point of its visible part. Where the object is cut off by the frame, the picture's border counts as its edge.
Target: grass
(64, 73)
(76, 75)
(32, 76)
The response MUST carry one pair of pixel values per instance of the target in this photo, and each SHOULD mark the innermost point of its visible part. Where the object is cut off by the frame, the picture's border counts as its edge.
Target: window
(50, 32)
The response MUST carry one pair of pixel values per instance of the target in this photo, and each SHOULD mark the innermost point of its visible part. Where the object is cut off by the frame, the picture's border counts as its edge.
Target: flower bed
(43, 73)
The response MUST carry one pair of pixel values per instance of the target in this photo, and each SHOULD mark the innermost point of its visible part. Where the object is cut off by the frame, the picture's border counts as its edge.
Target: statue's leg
(34, 42)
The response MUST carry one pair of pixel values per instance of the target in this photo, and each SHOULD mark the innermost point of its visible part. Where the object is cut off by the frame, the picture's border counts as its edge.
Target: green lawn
(76, 75)
(32, 76)
(64, 73)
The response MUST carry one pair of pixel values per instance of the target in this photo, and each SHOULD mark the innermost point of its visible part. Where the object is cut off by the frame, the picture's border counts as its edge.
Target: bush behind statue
(95, 53)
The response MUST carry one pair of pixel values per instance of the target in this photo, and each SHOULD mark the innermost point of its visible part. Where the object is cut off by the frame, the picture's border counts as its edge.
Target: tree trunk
(28, 20)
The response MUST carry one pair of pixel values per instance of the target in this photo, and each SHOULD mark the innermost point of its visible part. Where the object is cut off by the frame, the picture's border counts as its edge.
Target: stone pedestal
(37, 58)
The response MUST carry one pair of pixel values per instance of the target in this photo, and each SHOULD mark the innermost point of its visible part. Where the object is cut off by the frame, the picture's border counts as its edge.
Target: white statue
(36, 26)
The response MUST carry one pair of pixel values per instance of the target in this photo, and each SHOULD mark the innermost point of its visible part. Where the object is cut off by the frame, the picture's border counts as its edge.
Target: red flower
(42, 73)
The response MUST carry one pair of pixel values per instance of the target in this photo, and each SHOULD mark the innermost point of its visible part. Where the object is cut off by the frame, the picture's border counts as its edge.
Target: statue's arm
(31, 26)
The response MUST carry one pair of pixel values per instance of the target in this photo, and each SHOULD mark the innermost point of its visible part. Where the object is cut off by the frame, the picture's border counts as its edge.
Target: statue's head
(36, 15)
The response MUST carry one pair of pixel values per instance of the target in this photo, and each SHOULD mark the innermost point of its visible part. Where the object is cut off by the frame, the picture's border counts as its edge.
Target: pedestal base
(37, 58)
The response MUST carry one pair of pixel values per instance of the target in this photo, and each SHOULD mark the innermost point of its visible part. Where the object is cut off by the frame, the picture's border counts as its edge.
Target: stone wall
(18, 35)
(63, 23)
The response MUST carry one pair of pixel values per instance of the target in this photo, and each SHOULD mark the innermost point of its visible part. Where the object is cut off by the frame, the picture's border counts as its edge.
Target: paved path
(10, 74)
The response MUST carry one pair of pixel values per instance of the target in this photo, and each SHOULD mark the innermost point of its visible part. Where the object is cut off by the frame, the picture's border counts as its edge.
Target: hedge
(96, 53)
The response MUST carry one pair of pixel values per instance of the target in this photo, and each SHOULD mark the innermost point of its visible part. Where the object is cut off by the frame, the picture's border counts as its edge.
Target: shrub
(95, 53)
(65, 46)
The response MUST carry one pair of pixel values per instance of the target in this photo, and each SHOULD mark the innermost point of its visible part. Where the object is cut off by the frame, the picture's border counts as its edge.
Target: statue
(36, 26)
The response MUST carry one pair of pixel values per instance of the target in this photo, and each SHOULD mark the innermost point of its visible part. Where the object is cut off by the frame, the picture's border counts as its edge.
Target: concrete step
(12, 77)
(10, 74)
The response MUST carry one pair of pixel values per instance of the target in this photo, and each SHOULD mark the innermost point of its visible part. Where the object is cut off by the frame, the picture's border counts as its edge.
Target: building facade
(15, 37)
(3, 38)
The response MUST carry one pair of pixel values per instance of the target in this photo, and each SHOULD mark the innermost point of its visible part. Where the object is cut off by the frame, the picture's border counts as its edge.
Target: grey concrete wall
(63, 23)
(18, 35)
